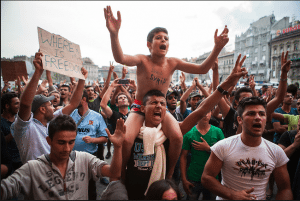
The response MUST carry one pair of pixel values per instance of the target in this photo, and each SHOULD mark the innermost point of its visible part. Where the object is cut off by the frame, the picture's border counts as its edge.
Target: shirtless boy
(155, 71)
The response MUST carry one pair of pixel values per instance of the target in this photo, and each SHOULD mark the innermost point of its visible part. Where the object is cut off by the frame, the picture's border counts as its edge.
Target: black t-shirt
(286, 139)
(230, 123)
(95, 105)
(139, 169)
(178, 116)
(114, 117)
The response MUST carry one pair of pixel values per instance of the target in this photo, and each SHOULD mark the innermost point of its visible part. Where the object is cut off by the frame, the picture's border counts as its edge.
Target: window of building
(295, 46)
(263, 57)
(264, 48)
(281, 49)
(275, 50)
(255, 58)
(288, 48)
(256, 49)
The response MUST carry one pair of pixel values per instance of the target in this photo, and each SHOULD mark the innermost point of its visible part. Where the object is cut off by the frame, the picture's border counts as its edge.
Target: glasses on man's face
(171, 97)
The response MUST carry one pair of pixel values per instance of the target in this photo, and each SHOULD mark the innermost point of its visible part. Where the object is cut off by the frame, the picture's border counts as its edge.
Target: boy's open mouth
(162, 47)
(257, 125)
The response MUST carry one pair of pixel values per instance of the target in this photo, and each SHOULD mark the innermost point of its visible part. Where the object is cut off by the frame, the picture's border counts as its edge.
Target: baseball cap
(38, 100)
(171, 92)
(265, 86)
(194, 94)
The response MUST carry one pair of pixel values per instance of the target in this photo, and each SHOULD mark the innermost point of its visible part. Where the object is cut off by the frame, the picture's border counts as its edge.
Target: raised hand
(252, 82)
(285, 64)
(132, 84)
(124, 71)
(115, 75)
(84, 72)
(37, 62)
(182, 77)
(118, 137)
(237, 71)
(113, 25)
(222, 40)
(111, 67)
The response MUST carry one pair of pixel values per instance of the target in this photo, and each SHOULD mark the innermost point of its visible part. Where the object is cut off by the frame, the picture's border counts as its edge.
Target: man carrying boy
(63, 174)
(155, 71)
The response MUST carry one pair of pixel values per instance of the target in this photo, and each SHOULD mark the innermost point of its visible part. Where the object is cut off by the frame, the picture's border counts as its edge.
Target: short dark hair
(88, 86)
(292, 88)
(237, 94)
(6, 99)
(157, 189)
(119, 94)
(85, 94)
(66, 85)
(152, 93)
(154, 31)
(250, 101)
(61, 123)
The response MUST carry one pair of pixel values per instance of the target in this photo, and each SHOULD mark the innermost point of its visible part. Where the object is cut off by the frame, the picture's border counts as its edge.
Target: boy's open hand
(222, 40)
(118, 137)
(113, 25)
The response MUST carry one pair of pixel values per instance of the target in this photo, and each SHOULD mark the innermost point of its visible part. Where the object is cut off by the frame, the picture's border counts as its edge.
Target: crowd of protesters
(219, 140)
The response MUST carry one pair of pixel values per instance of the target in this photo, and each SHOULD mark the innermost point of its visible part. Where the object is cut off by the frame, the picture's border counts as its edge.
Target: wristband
(222, 91)
(283, 80)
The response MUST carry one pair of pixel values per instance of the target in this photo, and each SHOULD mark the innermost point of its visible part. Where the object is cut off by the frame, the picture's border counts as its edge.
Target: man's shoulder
(278, 110)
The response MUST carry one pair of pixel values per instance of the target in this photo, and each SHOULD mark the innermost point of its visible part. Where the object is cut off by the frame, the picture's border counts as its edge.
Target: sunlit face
(49, 110)
(64, 92)
(160, 44)
(56, 99)
(45, 92)
(90, 92)
(170, 195)
(154, 110)
(14, 106)
(243, 95)
(122, 101)
(62, 144)
(253, 120)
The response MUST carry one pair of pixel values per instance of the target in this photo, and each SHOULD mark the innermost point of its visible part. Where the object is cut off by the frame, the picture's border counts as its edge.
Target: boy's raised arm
(203, 68)
(113, 25)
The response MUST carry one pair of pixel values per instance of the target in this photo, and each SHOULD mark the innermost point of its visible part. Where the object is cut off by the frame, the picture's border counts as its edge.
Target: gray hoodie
(40, 179)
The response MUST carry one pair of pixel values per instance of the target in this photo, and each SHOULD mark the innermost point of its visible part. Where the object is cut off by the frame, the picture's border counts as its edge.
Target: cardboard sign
(60, 55)
(12, 69)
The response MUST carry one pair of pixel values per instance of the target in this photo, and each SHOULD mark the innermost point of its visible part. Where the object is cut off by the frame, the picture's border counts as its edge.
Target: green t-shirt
(293, 121)
(199, 158)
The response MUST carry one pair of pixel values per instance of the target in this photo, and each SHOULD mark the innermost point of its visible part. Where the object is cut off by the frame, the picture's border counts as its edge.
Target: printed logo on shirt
(91, 122)
(142, 162)
(251, 167)
(83, 130)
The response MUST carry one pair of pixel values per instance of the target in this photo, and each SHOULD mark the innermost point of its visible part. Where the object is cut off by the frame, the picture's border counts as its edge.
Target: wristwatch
(222, 91)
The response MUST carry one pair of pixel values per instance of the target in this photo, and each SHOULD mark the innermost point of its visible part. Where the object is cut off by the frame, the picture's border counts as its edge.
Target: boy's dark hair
(250, 101)
(88, 86)
(157, 189)
(152, 93)
(154, 31)
(237, 94)
(121, 93)
(65, 85)
(6, 99)
(292, 88)
(61, 123)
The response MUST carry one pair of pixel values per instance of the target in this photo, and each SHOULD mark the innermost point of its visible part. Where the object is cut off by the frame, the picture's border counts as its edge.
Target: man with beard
(30, 127)
(65, 94)
(56, 101)
(10, 105)
(247, 160)
(90, 132)
(122, 103)
(281, 127)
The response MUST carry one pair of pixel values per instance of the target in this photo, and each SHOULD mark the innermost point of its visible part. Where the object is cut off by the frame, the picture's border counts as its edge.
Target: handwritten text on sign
(60, 55)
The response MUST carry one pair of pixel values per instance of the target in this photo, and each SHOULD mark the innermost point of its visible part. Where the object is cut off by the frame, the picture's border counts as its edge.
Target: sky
(191, 24)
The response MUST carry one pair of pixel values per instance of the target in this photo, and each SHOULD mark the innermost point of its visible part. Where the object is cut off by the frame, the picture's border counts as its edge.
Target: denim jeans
(197, 190)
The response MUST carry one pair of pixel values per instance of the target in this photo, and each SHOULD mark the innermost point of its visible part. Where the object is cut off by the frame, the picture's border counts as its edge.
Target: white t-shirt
(245, 167)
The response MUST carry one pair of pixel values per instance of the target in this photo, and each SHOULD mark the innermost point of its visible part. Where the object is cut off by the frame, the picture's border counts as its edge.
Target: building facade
(255, 44)
(286, 40)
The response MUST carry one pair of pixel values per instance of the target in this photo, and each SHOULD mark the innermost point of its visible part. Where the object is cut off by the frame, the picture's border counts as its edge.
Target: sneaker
(104, 181)
(108, 155)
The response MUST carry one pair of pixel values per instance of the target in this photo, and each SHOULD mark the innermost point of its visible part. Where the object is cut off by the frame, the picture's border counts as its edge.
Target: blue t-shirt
(92, 125)
(279, 110)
